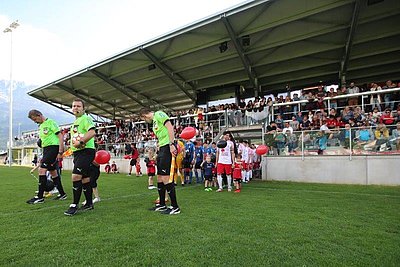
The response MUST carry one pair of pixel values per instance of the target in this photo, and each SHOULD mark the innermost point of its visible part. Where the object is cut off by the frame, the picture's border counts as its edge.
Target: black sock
(172, 194)
(77, 190)
(161, 193)
(42, 185)
(58, 184)
(87, 190)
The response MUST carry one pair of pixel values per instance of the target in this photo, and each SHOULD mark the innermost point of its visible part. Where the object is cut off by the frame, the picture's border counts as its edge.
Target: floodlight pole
(10, 29)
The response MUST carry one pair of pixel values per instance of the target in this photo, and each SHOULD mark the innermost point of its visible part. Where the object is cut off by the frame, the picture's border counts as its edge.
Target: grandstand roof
(263, 44)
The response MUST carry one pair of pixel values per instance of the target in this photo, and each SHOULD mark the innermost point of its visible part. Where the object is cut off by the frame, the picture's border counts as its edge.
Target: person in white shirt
(225, 159)
(287, 128)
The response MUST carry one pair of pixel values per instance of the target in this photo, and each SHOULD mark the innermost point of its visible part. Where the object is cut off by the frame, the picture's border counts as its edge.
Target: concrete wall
(367, 170)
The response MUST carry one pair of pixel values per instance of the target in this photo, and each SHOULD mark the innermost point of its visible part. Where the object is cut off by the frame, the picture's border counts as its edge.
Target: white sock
(219, 178)
(229, 181)
(243, 175)
(251, 174)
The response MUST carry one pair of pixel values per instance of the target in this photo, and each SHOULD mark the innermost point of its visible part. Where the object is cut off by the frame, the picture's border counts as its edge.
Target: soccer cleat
(171, 211)
(35, 200)
(219, 190)
(229, 189)
(96, 199)
(84, 203)
(128, 174)
(61, 197)
(237, 190)
(87, 207)
(72, 210)
(152, 187)
(209, 189)
(158, 207)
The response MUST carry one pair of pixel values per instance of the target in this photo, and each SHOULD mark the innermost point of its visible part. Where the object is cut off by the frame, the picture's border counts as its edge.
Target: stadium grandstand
(316, 81)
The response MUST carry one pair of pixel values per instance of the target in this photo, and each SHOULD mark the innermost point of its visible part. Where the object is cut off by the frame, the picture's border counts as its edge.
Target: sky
(59, 37)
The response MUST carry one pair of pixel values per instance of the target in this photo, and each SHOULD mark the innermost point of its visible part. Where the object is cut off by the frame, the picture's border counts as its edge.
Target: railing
(343, 141)
(300, 105)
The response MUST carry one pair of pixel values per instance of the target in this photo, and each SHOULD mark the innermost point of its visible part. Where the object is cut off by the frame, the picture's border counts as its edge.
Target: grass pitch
(268, 223)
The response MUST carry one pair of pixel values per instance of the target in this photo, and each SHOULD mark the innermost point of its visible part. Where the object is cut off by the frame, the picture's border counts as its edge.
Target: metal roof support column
(166, 70)
(349, 42)
(239, 49)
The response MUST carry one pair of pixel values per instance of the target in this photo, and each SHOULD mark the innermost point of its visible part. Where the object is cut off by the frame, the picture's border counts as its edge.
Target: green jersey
(48, 131)
(159, 128)
(81, 126)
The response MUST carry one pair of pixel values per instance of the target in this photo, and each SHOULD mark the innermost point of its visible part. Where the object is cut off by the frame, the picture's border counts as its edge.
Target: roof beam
(239, 49)
(349, 42)
(122, 88)
(166, 70)
(85, 98)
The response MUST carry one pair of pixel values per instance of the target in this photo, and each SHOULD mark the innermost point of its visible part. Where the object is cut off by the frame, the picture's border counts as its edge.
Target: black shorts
(133, 162)
(208, 177)
(151, 174)
(94, 175)
(164, 158)
(49, 160)
(238, 180)
(82, 161)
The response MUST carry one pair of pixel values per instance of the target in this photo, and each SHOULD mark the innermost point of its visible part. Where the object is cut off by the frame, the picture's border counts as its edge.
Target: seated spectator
(287, 128)
(305, 124)
(279, 121)
(331, 122)
(381, 132)
(294, 124)
(396, 136)
(387, 117)
(364, 135)
(347, 113)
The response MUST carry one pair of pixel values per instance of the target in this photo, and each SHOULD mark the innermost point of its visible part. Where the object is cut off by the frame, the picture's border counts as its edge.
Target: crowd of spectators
(277, 113)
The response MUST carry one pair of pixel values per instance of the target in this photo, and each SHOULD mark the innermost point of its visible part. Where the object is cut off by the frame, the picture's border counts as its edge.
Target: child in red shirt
(151, 169)
(107, 168)
(237, 173)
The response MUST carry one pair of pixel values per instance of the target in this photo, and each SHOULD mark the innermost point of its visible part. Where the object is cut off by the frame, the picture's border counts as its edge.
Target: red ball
(102, 157)
(188, 133)
(261, 150)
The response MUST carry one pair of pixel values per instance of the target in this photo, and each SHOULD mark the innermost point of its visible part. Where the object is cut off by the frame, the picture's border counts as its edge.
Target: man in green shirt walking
(163, 129)
(82, 144)
(52, 142)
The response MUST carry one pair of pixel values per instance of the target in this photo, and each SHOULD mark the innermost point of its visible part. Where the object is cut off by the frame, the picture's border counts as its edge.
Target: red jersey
(237, 171)
(151, 166)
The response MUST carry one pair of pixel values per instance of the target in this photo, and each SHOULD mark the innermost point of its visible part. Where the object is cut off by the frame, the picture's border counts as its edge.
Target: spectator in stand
(389, 103)
(381, 135)
(375, 99)
(347, 114)
(287, 128)
(305, 124)
(294, 124)
(333, 102)
(287, 111)
(242, 113)
(364, 135)
(396, 115)
(249, 110)
(396, 136)
(279, 121)
(269, 107)
(280, 141)
(387, 117)
(352, 89)
(295, 107)
(342, 102)
(310, 106)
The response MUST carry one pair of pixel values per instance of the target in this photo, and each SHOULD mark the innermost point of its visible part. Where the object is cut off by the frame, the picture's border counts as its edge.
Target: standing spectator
(389, 103)
(242, 113)
(375, 99)
(352, 89)
(342, 102)
(333, 102)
